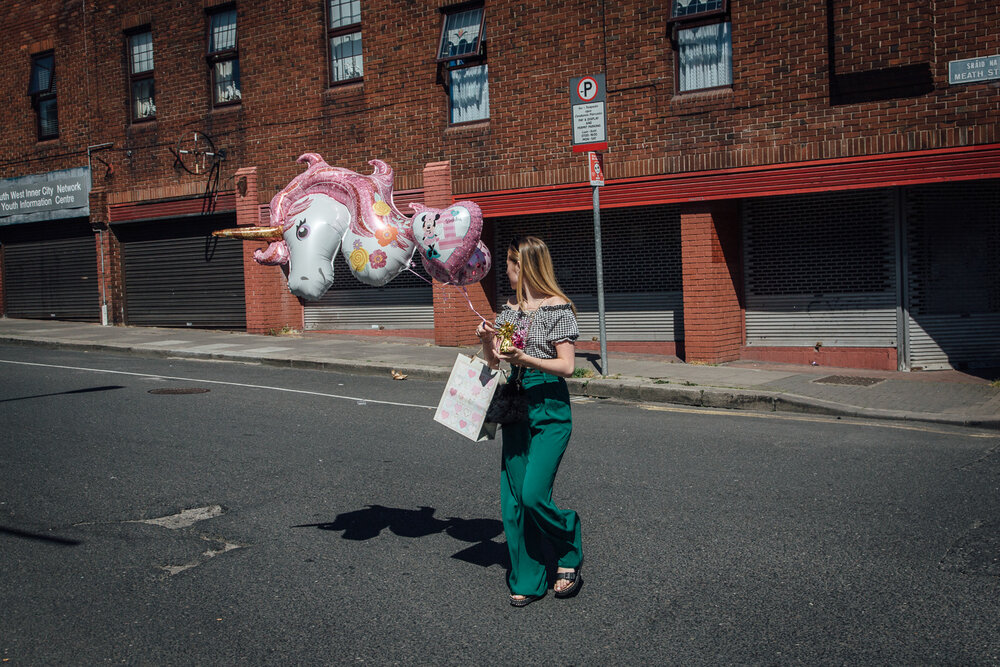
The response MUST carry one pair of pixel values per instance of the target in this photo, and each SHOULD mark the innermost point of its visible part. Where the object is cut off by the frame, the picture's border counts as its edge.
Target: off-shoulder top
(548, 325)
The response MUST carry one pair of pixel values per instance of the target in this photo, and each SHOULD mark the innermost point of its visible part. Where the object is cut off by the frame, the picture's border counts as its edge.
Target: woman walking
(533, 448)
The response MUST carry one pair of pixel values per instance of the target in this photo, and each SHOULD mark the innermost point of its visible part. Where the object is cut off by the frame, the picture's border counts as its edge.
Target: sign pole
(587, 96)
(600, 280)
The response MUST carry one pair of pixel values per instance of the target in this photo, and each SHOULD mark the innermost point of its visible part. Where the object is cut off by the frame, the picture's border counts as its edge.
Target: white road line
(221, 382)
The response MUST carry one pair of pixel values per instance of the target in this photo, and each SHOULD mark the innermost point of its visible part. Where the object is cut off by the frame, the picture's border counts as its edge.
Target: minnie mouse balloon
(448, 242)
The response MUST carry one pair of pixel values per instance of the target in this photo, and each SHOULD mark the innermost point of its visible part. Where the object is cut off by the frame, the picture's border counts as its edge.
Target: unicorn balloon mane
(328, 208)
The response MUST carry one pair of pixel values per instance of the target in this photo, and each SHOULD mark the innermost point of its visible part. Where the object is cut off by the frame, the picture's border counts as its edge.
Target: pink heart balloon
(449, 243)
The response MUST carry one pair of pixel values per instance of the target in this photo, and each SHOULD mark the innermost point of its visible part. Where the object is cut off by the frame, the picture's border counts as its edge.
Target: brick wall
(789, 60)
(779, 108)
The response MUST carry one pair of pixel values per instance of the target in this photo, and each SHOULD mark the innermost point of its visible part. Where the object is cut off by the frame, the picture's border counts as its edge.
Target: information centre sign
(57, 194)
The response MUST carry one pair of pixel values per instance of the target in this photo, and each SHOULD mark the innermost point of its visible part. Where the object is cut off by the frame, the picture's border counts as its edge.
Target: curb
(634, 390)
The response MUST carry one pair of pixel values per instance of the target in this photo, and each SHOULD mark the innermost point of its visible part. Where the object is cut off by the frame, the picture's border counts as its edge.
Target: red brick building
(800, 181)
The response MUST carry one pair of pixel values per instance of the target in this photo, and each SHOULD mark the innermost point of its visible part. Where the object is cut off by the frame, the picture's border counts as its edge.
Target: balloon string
(462, 287)
(410, 269)
(471, 307)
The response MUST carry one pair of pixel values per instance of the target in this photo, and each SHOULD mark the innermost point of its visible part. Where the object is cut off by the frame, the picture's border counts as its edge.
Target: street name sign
(972, 70)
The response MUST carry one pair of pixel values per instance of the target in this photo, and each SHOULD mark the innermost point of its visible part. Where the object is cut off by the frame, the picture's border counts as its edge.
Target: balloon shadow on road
(370, 522)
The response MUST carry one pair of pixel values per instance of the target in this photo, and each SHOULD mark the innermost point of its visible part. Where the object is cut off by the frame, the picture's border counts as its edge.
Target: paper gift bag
(463, 404)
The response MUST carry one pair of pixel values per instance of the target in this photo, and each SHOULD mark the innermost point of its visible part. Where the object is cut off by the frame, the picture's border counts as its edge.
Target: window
(462, 55)
(703, 42)
(42, 90)
(344, 33)
(140, 69)
(223, 58)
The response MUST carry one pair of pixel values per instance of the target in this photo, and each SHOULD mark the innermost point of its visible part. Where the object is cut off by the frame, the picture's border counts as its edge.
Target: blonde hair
(536, 271)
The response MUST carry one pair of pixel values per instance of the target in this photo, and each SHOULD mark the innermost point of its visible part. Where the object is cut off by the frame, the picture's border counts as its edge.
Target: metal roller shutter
(178, 275)
(406, 302)
(50, 272)
(642, 268)
(372, 308)
(953, 287)
(821, 269)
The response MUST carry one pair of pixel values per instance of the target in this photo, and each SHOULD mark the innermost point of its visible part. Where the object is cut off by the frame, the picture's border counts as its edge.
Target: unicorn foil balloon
(326, 208)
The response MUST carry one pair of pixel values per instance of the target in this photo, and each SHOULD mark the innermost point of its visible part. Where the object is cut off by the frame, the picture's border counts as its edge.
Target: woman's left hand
(516, 357)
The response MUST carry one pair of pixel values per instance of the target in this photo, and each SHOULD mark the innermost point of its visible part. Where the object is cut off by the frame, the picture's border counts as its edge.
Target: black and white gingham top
(549, 325)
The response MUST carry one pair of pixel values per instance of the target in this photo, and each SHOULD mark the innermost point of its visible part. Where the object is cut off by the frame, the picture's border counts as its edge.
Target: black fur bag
(509, 404)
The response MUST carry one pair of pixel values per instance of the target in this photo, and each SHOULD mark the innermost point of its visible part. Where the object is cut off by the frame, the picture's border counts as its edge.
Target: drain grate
(851, 380)
(180, 390)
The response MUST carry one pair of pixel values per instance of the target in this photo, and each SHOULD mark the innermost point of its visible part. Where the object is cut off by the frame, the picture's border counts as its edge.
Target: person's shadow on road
(370, 522)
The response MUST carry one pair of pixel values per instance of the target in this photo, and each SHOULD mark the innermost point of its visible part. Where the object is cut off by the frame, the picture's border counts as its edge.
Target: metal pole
(90, 175)
(600, 281)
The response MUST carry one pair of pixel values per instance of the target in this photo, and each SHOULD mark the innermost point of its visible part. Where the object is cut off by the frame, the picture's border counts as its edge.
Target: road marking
(360, 401)
(818, 419)
(211, 553)
(185, 518)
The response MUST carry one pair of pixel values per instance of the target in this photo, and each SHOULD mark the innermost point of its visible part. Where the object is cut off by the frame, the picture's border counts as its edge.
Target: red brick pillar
(270, 306)
(454, 322)
(711, 258)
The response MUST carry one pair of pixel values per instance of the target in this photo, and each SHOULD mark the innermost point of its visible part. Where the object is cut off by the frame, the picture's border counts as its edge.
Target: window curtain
(227, 81)
(706, 57)
(142, 94)
(48, 119)
(470, 94)
(346, 57)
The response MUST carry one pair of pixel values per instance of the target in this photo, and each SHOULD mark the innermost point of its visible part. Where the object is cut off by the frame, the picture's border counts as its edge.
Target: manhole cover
(180, 390)
(852, 380)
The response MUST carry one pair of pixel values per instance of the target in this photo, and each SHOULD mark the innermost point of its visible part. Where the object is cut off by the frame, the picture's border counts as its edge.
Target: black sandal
(523, 600)
(575, 577)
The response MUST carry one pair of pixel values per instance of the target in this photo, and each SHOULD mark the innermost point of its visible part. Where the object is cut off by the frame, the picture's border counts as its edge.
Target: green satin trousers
(532, 451)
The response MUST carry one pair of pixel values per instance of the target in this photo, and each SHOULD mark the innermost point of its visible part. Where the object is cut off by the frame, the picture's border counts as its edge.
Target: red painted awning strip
(225, 202)
(873, 171)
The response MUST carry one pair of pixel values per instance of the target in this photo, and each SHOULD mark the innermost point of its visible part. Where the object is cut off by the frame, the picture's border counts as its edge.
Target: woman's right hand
(485, 333)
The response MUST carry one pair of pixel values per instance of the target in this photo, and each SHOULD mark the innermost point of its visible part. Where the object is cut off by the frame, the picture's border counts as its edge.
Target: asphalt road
(334, 522)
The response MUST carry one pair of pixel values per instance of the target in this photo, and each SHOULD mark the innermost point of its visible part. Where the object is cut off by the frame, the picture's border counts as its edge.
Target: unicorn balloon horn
(250, 233)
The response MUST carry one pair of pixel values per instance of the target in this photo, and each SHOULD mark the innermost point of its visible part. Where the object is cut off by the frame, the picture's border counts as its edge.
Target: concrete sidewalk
(946, 397)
